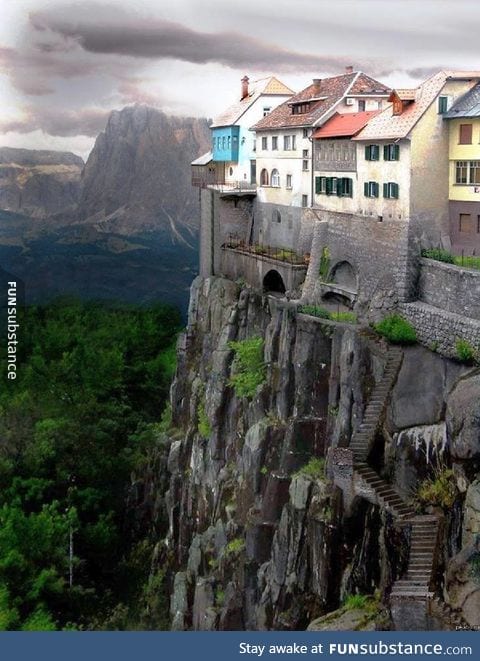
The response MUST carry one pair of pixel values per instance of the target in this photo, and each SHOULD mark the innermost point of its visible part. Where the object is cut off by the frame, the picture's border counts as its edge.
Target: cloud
(64, 123)
(153, 39)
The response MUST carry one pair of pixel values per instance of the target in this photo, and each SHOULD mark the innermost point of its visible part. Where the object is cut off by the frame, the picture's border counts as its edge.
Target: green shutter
(375, 189)
(396, 152)
(367, 153)
(395, 191)
(323, 184)
(386, 149)
(328, 185)
(385, 190)
(317, 185)
(365, 189)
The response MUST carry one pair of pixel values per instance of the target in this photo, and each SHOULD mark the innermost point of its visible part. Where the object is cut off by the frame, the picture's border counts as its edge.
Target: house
(232, 158)
(336, 185)
(284, 137)
(464, 171)
(402, 157)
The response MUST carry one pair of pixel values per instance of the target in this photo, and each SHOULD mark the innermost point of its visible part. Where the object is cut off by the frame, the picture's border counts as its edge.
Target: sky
(65, 65)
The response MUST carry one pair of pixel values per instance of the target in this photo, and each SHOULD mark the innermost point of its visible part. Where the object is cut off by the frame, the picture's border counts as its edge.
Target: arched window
(264, 177)
(276, 217)
(275, 178)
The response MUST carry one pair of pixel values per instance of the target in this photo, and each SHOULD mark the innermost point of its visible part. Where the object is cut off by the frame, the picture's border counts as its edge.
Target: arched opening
(264, 177)
(276, 216)
(273, 282)
(275, 178)
(344, 274)
(338, 300)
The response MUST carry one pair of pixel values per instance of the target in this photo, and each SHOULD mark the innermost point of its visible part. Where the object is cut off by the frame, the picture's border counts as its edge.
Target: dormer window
(266, 110)
(301, 108)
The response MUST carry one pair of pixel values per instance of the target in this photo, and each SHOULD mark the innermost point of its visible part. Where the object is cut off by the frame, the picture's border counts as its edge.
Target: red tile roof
(346, 124)
(324, 95)
(387, 126)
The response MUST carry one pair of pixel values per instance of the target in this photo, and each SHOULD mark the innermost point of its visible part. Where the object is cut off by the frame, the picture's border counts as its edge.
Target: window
(305, 165)
(465, 223)
(305, 133)
(465, 137)
(287, 142)
(266, 110)
(294, 141)
(229, 139)
(390, 190)
(276, 217)
(391, 152)
(230, 172)
(442, 104)
(341, 186)
(274, 142)
(275, 178)
(372, 153)
(254, 145)
(264, 144)
(264, 177)
(361, 105)
(305, 153)
(289, 181)
(370, 189)
(301, 108)
(223, 142)
(467, 172)
(304, 200)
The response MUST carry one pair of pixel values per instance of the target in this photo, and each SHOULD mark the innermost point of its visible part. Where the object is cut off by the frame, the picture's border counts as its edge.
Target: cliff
(39, 183)
(137, 176)
(261, 535)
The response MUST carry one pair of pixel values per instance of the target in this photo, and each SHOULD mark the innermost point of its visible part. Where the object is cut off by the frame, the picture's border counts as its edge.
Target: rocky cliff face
(259, 535)
(138, 176)
(39, 183)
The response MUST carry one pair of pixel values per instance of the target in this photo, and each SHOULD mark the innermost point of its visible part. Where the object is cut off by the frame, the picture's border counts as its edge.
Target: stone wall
(440, 330)
(378, 253)
(235, 264)
(450, 288)
(294, 230)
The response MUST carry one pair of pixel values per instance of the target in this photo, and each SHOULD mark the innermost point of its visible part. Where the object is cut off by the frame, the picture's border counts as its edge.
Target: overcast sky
(65, 65)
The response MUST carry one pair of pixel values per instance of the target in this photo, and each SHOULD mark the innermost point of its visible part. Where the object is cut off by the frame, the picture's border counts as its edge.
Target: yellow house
(464, 174)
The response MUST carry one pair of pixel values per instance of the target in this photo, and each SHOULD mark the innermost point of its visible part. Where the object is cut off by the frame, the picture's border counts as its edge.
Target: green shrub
(469, 262)
(249, 368)
(475, 566)
(314, 468)
(439, 254)
(284, 254)
(396, 329)
(439, 490)
(344, 317)
(324, 267)
(465, 352)
(315, 311)
(355, 601)
(235, 546)
(203, 426)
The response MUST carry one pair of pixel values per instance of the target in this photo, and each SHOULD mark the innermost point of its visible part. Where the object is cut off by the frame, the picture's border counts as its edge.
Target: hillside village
(325, 213)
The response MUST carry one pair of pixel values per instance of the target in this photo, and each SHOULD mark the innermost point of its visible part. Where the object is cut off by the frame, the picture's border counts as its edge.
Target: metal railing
(223, 186)
(285, 255)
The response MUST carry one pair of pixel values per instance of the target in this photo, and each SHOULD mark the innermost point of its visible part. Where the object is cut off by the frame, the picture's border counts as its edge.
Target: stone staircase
(417, 582)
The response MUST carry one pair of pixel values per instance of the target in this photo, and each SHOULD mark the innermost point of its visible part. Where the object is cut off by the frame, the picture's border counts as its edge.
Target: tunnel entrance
(273, 282)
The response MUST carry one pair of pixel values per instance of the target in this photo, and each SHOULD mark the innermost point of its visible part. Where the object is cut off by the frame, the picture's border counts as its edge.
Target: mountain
(39, 183)
(123, 227)
(137, 176)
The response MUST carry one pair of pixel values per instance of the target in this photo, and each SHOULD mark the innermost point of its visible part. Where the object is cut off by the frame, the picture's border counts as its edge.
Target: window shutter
(375, 189)
(385, 152)
(317, 185)
(385, 190)
(365, 189)
(328, 187)
(367, 153)
(339, 187)
(376, 152)
(396, 152)
(395, 191)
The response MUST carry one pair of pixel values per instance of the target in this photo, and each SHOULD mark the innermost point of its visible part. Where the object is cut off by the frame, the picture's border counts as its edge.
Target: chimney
(349, 69)
(317, 81)
(244, 88)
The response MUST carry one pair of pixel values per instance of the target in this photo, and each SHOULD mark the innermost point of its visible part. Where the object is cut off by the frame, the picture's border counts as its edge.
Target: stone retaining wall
(439, 330)
(450, 288)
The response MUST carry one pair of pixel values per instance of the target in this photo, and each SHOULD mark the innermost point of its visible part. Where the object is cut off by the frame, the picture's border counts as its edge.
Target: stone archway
(273, 282)
(344, 274)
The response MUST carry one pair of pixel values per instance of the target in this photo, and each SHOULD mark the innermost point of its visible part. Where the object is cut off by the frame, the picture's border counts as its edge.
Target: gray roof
(467, 105)
(204, 159)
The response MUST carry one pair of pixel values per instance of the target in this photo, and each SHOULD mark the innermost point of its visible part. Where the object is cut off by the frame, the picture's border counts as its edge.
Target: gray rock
(463, 418)
(471, 520)
(463, 584)
(179, 601)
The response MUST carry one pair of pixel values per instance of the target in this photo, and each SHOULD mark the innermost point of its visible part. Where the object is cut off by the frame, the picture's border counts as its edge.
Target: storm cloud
(161, 39)
(63, 123)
